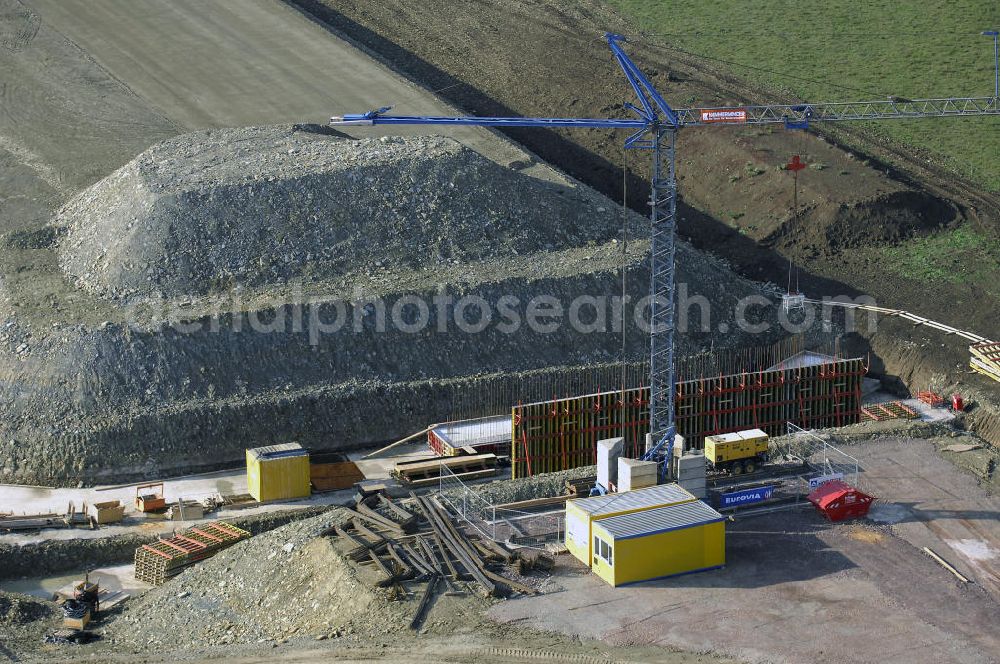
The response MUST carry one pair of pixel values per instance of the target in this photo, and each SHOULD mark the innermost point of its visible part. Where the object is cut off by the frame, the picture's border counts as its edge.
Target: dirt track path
(222, 64)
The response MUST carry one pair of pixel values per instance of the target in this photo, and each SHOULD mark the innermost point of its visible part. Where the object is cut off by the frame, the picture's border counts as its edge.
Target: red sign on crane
(734, 115)
(794, 165)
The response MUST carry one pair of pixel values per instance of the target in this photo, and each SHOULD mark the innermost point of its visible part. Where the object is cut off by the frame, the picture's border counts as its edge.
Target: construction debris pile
(362, 571)
(18, 609)
(420, 542)
(23, 620)
(286, 582)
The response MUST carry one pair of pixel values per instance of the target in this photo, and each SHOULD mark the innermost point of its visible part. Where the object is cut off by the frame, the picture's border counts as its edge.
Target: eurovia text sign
(747, 496)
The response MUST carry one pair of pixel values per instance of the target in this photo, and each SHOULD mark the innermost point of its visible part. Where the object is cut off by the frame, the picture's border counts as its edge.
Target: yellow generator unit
(278, 472)
(738, 452)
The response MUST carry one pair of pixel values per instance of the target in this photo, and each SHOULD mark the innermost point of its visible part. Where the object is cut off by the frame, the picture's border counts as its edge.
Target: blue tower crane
(655, 129)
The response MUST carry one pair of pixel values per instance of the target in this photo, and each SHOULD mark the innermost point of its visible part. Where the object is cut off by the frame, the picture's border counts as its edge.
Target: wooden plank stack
(986, 359)
(580, 486)
(423, 472)
(167, 557)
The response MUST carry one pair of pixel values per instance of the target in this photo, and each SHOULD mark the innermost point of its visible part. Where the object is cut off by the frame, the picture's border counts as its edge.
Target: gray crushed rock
(18, 609)
(284, 584)
(528, 488)
(204, 211)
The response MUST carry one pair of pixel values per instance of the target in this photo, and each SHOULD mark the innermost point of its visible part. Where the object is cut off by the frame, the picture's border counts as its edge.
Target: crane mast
(655, 129)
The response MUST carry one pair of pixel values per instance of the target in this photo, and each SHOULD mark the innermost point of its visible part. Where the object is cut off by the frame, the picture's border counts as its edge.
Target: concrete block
(690, 474)
(608, 452)
(636, 474)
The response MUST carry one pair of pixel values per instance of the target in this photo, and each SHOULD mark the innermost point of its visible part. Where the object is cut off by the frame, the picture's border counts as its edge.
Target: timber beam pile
(425, 472)
(417, 542)
(986, 359)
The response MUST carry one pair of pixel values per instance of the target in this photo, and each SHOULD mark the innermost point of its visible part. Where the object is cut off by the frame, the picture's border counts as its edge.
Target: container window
(603, 550)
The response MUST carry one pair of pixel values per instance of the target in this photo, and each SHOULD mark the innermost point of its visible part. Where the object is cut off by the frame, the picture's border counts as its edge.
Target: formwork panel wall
(562, 433)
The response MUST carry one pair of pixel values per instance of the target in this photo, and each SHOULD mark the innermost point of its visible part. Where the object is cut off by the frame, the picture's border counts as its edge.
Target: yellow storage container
(278, 472)
(582, 512)
(658, 542)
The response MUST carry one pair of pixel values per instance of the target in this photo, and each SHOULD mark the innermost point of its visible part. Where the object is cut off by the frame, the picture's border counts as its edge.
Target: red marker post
(795, 165)
(796, 299)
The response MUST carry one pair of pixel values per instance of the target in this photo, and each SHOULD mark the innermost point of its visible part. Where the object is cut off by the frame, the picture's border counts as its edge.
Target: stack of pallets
(893, 410)
(986, 359)
(167, 557)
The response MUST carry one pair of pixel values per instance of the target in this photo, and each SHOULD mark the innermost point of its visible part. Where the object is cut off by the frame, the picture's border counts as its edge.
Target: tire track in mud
(35, 162)
(18, 25)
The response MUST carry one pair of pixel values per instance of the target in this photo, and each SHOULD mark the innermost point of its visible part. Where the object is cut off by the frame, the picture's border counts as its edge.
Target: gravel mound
(283, 584)
(545, 485)
(17, 609)
(209, 210)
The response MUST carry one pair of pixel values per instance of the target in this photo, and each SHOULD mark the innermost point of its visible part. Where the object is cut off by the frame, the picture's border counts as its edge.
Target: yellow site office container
(582, 512)
(278, 472)
(659, 542)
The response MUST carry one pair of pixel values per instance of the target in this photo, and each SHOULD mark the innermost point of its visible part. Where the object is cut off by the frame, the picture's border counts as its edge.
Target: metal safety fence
(798, 462)
(824, 460)
(512, 526)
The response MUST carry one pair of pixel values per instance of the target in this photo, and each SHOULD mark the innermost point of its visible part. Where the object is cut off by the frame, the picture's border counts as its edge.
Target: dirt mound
(881, 220)
(287, 582)
(209, 210)
(17, 609)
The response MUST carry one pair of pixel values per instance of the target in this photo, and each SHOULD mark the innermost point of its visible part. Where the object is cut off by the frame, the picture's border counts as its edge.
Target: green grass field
(957, 255)
(850, 51)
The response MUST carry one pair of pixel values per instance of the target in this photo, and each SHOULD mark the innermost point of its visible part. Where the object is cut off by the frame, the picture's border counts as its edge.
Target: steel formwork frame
(560, 434)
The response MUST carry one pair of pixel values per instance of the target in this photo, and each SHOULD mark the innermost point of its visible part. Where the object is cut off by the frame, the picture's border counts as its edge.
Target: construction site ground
(89, 85)
(876, 219)
(796, 588)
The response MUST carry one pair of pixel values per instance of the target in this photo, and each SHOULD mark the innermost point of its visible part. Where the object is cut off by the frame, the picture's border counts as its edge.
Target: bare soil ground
(797, 588)
(735, 201)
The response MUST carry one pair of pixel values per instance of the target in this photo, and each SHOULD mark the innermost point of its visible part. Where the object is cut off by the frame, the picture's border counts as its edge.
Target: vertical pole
(795, 214)
(996, 62)
(663, 204)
